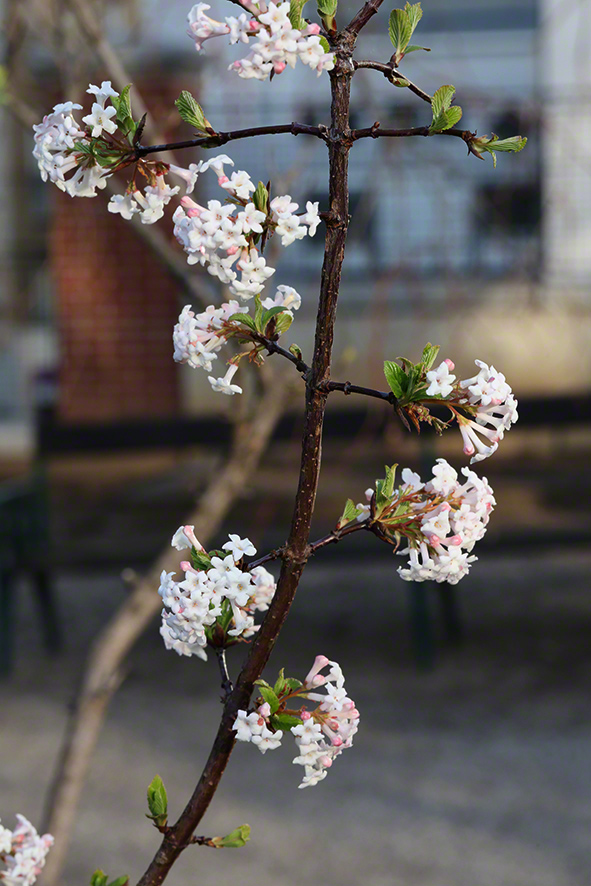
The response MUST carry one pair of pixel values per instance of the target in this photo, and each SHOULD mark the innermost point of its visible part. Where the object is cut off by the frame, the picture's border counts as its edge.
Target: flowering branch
(216, 602)
(218, 139)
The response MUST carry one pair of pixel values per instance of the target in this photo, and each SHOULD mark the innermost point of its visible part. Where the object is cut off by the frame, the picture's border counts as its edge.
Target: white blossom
(450, 518)
(224, 385)
(441, 381)
(22, 853)
(100, 118)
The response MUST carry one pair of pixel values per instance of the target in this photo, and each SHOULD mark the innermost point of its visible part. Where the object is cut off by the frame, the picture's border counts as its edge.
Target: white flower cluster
(277, 43)
(323, 733)
(57, 135)
(198, 337)
(496, 406)
(206, 232)
(194, 604)
(450, 518)
(23, 853)
(492, 398)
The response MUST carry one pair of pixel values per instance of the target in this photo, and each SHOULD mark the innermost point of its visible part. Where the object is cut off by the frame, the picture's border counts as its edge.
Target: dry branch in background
(104, 673)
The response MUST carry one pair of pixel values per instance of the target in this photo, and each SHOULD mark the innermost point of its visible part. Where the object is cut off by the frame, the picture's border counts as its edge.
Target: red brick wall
(116, 308)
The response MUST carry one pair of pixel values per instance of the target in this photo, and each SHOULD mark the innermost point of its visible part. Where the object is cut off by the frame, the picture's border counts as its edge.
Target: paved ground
(474, 774)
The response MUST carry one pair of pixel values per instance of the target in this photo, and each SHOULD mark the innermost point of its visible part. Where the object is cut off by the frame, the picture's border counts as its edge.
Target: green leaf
(191, 112)
(414, 13)
(514, 144)
(444, 116)
(200, 560)
(120, 881)
(295, 13)
(327, 8)
(385, 489)
(284, 722)
(227, 615)
(270, 697)
(400, 30)
(245, 320)
(291, 683)
(99, 878)
(350, 513)
(260, 198)
(442, 99)
(396, 378)
(280, 683)
(429, 355)
(235, 840)
(412, 47)
(258, 312)
(325, 44)
(270, 313)
(283, 322)
(84, 147)
(388, 487)
(124, 104)
(157, 799)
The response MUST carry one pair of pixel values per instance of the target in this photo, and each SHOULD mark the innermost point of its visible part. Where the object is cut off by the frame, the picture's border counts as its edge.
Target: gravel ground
(475, 773)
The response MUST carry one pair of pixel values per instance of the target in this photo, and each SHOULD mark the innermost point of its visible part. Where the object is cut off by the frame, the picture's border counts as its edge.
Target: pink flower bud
(232, 250)
(222, 180)
(253, 25)
(190, 533)
(337, 741)
(193, 213)
(434, 540)
(313, 29)
(306, 715)
(279, 67)
(319, 662)
(265, 710)
(450, 364)
(326, 762)
(185, 565)
(455, 540)
(444, 507)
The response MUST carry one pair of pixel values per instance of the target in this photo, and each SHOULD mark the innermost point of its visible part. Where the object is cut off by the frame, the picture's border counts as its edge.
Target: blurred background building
(441, 245)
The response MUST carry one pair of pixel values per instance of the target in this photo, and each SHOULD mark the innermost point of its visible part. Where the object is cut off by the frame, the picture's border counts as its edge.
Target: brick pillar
(116, 307)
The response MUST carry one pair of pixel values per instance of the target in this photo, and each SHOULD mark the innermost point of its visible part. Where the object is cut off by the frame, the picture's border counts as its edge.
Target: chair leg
(421, 627)
(6, 621)
(52, 635)
(450, 614)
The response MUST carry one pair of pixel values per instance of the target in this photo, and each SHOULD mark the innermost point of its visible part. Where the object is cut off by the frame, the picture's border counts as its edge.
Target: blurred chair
(24, 548)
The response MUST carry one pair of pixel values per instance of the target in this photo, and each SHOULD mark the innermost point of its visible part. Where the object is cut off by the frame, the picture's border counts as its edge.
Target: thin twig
(222, 138)
(360, 20)
(273, 348)
(376, 131)
(391, 74)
